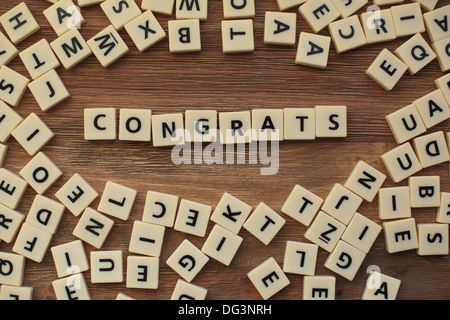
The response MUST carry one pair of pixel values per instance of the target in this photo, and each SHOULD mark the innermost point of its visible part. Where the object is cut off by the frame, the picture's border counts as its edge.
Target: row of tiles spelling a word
(203, 125)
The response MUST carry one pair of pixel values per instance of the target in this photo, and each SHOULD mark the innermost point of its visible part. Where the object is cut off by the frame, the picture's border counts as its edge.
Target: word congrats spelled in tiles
(173, 129)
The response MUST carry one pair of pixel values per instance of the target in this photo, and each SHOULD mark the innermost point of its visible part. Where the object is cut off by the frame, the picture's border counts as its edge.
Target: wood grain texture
(266, 78)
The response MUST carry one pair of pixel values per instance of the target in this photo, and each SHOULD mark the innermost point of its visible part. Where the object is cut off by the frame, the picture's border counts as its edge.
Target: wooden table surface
(266, 78)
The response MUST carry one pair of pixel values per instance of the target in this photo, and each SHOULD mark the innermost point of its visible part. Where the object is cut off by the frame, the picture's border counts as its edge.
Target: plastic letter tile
(442, 50)
(123, 296)
(235, 127)
(267, 125)
(71, 48)
(341, 203)
(3, 151)
(73, 287)
(280, 28)
(268, 278)
(158, 6)
(117, 200)
(8, 50)
(45, 214)
(12, 188)
(365, 181)
(381, 287)
(168, 130)
(431, 149)
(10, 222)
(33, 134)
(433, 108)
(325, 231)
(86, 3)
(63, 16)
(19, 23)
(284, 5)
(187, 260)
(443, 212)
(233, 9)
(135, 125)
(120, 12)
(361, 232)
(406, 123)
(184, 36)
(13, 269)
(394, 203)
(347, 8)
(192, 218)
(428, 5)
(238, 36)
(39, 59)
(386, 70)
(313, 50)
(49, 90)
(443, 83)
(13, 86)
(433, 239)
(231, 213)
(408, 19)
(11, 120)
(425, 191)
(400, 235)
(302, 205)
(146, 239)
(189, 9)
(160, 208)
(448, 140)
(32, 242)
(386, 2)
(187, 291)
(436, 23)
(70, 258)
(41, 173)
(416, 53)
(108, 46)
(145, 31)
(319, 288)
(378, 26)
(299, 124)
(16, 293)
(264, 223)
(319, 13)
(222, 245)
(201, 125)
(345, 260)
(142, 272)
(76, 194)
(100, 124)
(347, 34)
(300, 258)
(401, 162)
(107, 266)
(93, 228)
(331, 121)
